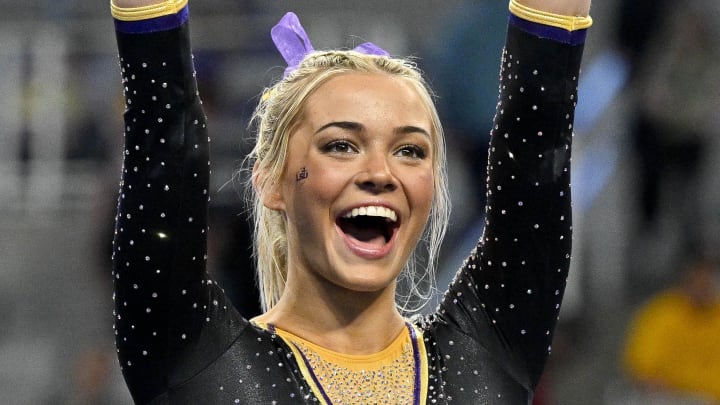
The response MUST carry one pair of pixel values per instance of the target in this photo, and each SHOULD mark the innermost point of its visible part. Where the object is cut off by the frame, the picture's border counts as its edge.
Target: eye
(411, 151)
(339, 146)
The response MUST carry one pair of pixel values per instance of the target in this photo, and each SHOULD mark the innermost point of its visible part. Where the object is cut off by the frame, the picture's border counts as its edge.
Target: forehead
(370, 98)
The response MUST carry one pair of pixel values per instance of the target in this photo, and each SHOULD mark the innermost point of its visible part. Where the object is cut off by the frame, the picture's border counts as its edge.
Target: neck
(338, 319)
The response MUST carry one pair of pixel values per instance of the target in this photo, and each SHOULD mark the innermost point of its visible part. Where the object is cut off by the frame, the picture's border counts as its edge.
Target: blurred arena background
(646, 164)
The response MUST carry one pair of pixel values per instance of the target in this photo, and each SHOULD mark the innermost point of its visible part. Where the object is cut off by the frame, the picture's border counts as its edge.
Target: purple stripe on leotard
(416, 356)
(312, 374)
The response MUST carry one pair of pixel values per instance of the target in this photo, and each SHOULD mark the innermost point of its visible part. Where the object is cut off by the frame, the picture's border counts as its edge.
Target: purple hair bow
(293, 43)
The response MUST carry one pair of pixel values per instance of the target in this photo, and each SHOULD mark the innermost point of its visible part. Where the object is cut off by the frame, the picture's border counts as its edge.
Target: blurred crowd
(641, 321)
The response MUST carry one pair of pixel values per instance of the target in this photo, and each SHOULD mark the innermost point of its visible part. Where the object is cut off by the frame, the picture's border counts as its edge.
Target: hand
(578, 8)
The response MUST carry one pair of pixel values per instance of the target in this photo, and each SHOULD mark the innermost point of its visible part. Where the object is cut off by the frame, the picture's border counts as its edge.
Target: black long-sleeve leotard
(178, 337)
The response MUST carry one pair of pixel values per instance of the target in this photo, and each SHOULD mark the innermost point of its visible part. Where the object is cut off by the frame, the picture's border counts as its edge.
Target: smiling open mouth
(371, 225)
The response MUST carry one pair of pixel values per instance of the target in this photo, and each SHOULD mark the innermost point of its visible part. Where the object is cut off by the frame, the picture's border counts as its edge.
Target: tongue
(365, 234)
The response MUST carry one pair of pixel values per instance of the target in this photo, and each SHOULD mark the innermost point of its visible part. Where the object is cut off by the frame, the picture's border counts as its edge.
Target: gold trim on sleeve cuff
(167, 7)
(570, 23)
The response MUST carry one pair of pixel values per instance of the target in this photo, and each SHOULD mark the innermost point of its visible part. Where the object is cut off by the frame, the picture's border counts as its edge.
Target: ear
(270, 194)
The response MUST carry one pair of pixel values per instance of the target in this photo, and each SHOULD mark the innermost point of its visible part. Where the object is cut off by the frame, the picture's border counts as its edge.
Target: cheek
(312, 183)
(420, 190)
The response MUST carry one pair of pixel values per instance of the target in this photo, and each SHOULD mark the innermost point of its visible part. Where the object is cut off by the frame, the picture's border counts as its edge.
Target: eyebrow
(409, 129)
(356, 126)
(353, 126)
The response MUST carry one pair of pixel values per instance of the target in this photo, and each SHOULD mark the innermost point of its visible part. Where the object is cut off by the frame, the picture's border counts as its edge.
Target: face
(358, 183)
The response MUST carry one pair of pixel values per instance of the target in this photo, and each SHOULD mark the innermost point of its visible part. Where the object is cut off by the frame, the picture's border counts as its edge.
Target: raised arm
(167, 309)
(508, 293)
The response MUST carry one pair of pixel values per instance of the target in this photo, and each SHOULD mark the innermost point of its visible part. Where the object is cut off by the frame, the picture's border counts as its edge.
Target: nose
(377, 177)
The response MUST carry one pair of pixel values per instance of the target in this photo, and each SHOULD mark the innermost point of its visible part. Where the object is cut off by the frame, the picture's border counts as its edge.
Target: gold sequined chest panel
(386, 377)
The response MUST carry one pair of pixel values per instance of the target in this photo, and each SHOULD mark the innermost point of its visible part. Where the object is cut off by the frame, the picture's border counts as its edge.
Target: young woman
(348, 173)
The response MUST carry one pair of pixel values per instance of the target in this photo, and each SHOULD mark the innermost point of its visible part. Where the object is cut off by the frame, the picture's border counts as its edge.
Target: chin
(377, 284)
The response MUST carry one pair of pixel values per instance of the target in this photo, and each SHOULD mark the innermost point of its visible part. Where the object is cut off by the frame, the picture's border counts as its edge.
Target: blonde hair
(277, 113)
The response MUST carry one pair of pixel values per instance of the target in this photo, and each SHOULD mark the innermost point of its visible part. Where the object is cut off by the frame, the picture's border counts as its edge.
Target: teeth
(373, 211)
